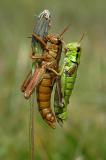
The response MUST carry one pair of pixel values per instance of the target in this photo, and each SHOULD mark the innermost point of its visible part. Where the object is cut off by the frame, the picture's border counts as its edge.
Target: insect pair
(46, 55)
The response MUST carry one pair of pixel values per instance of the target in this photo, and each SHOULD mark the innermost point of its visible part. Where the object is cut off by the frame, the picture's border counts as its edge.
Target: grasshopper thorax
(53, 39)
(73, 52)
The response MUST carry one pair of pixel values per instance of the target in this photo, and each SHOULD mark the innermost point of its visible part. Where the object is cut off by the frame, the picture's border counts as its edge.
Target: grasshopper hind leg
(26, 82)
(59, 104)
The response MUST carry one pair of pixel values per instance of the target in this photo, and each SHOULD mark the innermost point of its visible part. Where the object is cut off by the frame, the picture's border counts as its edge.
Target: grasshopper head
(73, 52)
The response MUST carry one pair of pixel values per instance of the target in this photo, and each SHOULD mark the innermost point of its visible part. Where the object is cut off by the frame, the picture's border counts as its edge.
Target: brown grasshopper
(44, 76)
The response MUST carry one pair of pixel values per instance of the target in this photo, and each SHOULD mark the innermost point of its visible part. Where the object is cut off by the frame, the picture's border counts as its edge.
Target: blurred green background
(83, 136)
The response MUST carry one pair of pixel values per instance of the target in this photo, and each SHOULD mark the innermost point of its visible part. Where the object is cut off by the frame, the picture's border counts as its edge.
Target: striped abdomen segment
(69, 85)
(44, 90)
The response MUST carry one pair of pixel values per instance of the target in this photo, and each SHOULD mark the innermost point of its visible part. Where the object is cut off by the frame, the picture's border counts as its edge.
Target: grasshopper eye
(66, 50)
(78, 49)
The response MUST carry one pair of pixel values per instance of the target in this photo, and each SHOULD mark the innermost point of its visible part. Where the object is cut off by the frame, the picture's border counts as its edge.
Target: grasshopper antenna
(65, 29)
(83, 34)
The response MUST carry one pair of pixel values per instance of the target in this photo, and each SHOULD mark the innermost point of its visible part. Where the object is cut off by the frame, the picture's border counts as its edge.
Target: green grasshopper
(66, 80)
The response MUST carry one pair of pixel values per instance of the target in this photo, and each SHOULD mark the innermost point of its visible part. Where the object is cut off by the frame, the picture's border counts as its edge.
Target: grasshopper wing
(35, 80)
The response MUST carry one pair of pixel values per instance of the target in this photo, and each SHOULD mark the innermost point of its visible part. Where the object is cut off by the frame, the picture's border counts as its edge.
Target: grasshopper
(66, 79)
